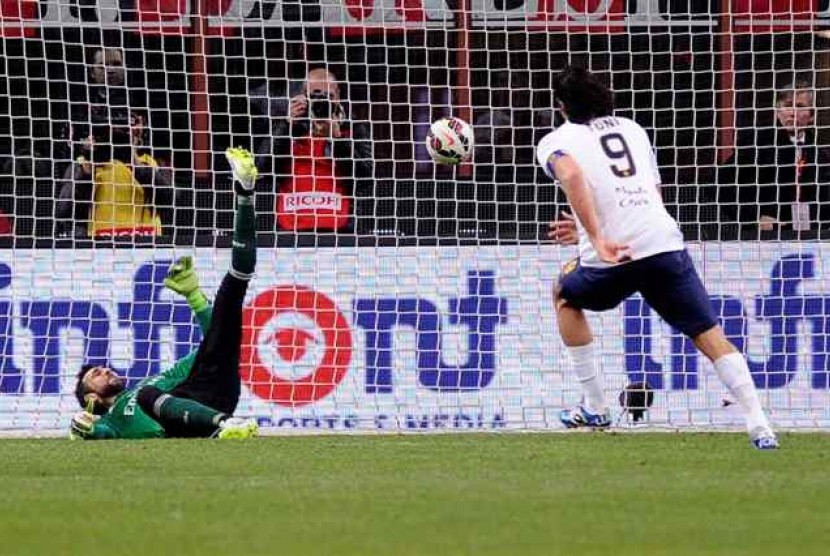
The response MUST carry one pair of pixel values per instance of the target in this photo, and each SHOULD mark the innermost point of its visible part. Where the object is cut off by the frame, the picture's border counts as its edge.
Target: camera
(319, 105)
(110, 132)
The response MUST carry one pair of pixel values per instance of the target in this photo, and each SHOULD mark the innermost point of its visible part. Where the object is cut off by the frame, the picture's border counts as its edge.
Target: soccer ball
(450, 141)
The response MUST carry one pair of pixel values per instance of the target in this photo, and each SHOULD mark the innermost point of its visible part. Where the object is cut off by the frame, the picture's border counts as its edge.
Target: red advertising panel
(24, 17)
(15, 17)
(766, 16)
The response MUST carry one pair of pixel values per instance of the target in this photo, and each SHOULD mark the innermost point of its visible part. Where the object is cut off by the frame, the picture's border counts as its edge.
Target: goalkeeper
(198, 395)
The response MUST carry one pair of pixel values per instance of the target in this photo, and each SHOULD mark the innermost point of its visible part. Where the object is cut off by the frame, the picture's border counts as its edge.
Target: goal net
(393, 293)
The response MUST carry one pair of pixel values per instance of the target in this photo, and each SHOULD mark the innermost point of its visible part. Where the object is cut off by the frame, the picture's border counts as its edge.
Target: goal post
(431, 309)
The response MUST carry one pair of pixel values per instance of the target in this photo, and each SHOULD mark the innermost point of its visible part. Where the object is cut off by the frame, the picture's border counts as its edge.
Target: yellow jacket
(118, 203)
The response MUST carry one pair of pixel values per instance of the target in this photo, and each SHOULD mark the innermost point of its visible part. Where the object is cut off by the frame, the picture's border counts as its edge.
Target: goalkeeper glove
(182, 279)
(83, 425)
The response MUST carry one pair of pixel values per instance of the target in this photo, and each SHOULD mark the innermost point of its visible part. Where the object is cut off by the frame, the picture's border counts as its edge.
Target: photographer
(96, 95)
(114, 187)
(320, 160)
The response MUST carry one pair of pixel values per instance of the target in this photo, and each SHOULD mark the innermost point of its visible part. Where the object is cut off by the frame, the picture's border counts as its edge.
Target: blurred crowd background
(737, 120)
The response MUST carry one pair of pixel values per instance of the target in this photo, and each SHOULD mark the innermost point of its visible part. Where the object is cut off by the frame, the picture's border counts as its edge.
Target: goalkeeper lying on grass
(198, 395)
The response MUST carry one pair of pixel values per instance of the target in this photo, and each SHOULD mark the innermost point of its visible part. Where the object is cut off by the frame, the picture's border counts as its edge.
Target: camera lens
(319, 104)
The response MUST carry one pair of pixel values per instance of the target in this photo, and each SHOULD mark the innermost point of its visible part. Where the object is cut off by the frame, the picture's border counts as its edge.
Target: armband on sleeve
(554, 156)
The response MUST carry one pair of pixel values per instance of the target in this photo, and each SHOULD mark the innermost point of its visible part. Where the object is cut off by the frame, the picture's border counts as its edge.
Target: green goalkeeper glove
(182, 279)
(83, 425)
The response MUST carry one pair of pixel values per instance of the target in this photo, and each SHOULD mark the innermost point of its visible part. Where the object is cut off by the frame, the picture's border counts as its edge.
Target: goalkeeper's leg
(205, 400)
(183, 417)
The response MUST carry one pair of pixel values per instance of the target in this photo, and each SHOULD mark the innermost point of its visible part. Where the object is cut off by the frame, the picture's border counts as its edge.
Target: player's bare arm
(581, 200)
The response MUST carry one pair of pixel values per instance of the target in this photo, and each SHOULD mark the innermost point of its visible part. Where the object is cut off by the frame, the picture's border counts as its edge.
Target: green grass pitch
(503, 494)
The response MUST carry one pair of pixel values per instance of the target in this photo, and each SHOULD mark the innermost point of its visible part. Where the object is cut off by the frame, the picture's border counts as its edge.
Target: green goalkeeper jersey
(125, 419)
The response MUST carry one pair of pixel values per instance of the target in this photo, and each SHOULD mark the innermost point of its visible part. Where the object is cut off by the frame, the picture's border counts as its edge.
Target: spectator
(115, 188)
(107, 67)
(320, 160)
(103, 97)
(778, 177)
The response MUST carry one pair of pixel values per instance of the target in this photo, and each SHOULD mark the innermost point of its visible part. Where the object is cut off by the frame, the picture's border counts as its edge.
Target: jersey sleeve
(654, 168)
(181, 368)
(550, 145)
(178, 372)
(204, 318)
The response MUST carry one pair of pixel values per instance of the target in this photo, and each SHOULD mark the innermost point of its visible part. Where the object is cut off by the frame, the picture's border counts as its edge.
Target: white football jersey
(620, 168)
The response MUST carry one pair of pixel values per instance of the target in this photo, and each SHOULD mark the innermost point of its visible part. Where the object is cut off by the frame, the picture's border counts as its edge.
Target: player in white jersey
(627, 243)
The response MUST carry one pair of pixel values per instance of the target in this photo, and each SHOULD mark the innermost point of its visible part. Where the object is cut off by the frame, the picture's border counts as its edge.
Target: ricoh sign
(174, 16)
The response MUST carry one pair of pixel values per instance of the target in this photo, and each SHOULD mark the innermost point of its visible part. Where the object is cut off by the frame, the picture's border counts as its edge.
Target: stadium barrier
(411, 338)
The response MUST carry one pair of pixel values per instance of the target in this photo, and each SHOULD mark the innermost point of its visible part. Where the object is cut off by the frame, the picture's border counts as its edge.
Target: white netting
(433, 307)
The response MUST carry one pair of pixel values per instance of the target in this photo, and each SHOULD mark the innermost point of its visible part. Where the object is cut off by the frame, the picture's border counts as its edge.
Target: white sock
(734, 373)
(585, 367)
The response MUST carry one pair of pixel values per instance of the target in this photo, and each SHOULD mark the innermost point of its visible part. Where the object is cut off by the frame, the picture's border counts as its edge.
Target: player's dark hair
(81, 390)
(583, 95)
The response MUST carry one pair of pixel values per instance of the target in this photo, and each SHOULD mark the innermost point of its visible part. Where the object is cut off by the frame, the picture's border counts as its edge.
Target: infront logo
(794, 320)
(297, 345)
